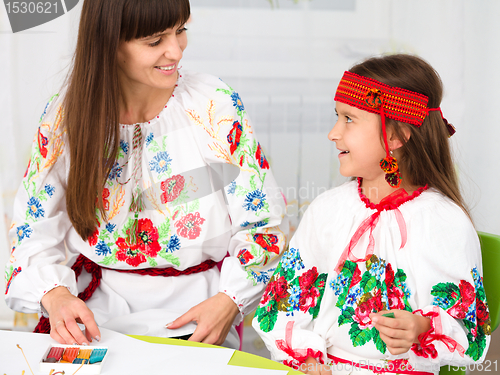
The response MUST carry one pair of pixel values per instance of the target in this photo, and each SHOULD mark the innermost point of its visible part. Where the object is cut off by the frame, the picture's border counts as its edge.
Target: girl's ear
(394, 141)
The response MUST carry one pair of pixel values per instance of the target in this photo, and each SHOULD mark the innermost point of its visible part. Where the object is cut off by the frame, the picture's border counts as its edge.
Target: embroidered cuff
(425, 347)
(241, 306)
(298, 356)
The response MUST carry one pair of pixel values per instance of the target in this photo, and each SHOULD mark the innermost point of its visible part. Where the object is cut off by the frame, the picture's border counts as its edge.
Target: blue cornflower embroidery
(160, 162)
(237, 101)
(124, 145)
(23, 231)
(174, 244)
(471, 313)
(339, 284)
(262, 223)
(35, 208)
(406, 290)
(232, 188)
(294, 298)
(353, 295)
(291, 259)
(477, 278)
(254, 201)
(442, 302)
(110, 227)
(102, 249)
(115, 172)
(149, 138)
(377, 269)
(264, 275)
(49, 189)
(245, 224)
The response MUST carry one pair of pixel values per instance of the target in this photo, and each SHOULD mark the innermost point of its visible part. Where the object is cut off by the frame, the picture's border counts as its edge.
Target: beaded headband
(395, 103)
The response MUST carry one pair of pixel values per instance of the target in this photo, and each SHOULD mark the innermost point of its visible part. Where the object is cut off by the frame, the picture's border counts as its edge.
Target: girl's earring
(390, 166)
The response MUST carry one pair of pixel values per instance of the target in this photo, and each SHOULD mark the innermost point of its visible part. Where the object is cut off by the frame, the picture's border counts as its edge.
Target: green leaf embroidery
(359, 337)
(170, 258)
(379, 343)
(253, 185)
(227, 92)
(152, 262)
(446, 290)
(109, 260)
(266, 319)
(346, 316)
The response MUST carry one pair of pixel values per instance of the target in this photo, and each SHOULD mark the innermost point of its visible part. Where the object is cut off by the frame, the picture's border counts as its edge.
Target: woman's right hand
(65, 311)
(312, 367)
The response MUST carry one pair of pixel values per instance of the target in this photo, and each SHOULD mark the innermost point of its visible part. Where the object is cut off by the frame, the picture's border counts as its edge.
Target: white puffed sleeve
(449, 288)
(40, 221)
(255, 204)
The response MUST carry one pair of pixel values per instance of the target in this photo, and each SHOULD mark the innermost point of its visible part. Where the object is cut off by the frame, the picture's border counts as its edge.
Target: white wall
(286, 62)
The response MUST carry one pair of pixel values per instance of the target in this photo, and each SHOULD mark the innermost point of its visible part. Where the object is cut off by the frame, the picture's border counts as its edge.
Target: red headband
(393, 102)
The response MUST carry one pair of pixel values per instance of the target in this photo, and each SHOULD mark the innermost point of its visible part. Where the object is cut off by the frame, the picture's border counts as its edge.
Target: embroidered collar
(392, 201)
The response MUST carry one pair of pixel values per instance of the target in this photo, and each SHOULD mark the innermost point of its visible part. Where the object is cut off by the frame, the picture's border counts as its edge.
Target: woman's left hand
(402, 331)
(214, 317)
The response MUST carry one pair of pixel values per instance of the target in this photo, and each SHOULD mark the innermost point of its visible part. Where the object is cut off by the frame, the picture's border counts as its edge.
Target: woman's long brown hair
(424, 158)
(91, 104)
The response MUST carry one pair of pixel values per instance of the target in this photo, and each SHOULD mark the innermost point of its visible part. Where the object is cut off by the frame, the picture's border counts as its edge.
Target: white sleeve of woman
(40, 220)
(256, 208)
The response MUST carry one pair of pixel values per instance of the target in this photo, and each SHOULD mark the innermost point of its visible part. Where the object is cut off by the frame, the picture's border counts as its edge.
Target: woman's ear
(393, 139)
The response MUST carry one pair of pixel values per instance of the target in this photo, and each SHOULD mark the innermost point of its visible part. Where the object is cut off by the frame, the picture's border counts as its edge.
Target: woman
(143, 171)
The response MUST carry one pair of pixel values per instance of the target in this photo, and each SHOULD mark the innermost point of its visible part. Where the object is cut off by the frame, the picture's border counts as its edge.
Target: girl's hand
(214, 316)
(313, 367)
(65, 311)
(401, 332)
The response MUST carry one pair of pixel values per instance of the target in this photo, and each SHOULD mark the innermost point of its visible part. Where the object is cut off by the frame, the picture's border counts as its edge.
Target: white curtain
(285, 60)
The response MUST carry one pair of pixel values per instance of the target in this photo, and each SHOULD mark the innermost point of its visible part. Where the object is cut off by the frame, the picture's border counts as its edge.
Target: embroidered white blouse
(350, 258)
(207, 190)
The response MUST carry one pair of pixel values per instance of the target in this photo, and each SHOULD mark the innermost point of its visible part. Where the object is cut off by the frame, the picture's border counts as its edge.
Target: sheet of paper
(126, 356)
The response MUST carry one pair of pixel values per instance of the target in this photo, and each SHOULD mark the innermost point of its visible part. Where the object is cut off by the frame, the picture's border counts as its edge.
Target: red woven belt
(95, 270)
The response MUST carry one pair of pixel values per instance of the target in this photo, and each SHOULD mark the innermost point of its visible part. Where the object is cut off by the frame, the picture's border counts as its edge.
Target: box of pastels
(73, 358)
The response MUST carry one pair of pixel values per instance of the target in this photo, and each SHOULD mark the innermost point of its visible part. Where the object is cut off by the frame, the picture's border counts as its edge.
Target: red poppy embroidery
(172, 188)
(42, 142)
(259, 155)
(309, 294)
(241, 160)
(276, 290)
(189, 226)
(93, 237)
(268, 242)
(147, 238)
(361, 315)
(129, 253)
(460, 308)
(245, 256)
(234, 136)
(105, 196)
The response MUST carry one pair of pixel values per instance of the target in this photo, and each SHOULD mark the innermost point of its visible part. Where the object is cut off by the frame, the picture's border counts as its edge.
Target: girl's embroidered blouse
(314, 308)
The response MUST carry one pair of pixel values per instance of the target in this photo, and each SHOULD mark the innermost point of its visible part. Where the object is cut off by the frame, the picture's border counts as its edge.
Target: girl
(384, 272)
(148, 176)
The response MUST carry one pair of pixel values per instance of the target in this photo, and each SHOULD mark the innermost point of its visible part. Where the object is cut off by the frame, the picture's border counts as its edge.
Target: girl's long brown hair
(424, 158)
(91, 103)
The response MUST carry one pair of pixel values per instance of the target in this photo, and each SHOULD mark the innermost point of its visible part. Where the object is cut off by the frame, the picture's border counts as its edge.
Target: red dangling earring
(390, 166)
